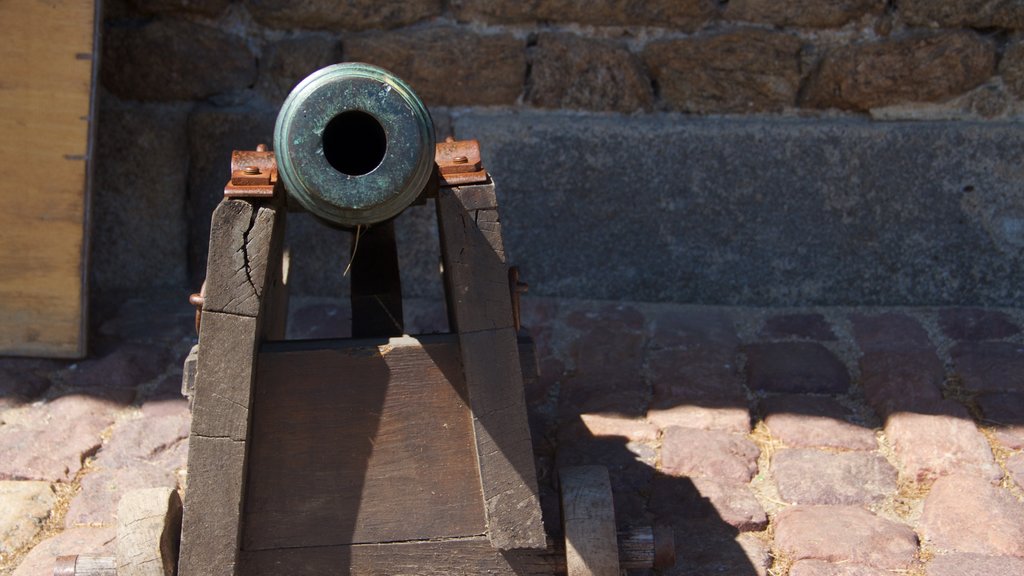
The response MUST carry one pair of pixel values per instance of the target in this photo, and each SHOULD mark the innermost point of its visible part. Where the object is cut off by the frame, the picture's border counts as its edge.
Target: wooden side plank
(210, 530)
(588, 516)
(451, 557)
(476, 276)
(504, 450)
(244, 246)
(465, 557)
(46, 110)
(481, 313)
(362, 443)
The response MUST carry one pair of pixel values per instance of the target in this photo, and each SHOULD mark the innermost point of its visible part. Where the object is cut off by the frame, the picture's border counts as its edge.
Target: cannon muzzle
(354, 144)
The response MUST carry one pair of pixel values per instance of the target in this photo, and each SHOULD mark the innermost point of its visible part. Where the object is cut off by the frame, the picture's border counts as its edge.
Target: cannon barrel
(354, 144)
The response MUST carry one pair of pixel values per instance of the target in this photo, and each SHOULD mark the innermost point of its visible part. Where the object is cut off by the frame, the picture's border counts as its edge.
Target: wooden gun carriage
(383, 453)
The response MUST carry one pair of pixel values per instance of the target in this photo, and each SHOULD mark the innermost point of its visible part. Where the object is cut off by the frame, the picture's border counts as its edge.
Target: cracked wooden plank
(242, 235)
(245, 244)
(481, 313)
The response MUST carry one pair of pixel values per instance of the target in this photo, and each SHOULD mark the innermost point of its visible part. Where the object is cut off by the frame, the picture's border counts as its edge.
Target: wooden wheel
(588, 519)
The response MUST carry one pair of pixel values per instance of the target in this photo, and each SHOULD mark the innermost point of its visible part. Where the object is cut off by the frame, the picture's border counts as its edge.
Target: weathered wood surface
(376, 292)
(244, 245)
(480, 311)
(588, 517)
(454, 557)
(361, 441)
(467, 557)
(242, 236)
(148, 532)
(46, 102)
(475, 275)
(86, 566)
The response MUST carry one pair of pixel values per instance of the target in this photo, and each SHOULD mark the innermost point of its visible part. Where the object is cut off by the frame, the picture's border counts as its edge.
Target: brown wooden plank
(477, 196)
(504, 449)
(217, 445)
(361, 442)
(46, 103)
(476, 276)
(376, 292)
(468, 557)
(588, 516)
(480, 310)
(245, 245)
(227, 347)
(242, 237)
(210, 529)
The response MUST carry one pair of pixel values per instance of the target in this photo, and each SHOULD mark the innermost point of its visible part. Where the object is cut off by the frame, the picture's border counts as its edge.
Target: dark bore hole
(354, 143)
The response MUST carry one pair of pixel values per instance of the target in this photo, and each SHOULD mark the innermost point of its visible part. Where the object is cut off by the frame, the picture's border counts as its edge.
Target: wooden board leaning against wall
(46, 95)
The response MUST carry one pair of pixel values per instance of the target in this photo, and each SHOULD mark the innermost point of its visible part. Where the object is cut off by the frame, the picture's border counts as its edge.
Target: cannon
(383, 453)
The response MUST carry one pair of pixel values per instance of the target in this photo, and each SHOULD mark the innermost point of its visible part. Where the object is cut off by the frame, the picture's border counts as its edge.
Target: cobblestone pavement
(810, 442)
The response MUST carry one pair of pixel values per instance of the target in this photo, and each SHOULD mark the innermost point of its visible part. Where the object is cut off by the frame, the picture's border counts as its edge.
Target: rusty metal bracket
(253, 174)
(458, 163)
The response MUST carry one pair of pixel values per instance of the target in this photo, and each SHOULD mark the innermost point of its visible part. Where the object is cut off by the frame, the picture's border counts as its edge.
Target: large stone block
(1011, 66)
(821, 14)
(757, 211)
(288, 61)
(448, 66)
(139, 229)
(342, 14)
(205, 7)
(569, 71)
(919, 67)
(963, 13)
(742, 71)
(175, 60)
(687, 15)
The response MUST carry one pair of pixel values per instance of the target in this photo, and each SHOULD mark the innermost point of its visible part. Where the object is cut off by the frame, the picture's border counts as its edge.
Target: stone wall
(775, 152)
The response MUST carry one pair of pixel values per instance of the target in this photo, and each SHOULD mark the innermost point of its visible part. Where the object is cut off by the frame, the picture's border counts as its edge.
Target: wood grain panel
(463, 557)
(46, 87)
(358, 442)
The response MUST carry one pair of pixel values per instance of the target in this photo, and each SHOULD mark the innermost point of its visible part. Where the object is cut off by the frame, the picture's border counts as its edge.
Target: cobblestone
(965, 513)
(976, 324)
(928, 446)
(806, 326)
(87, 540)
(1004, 413)
(821, 568)
(795, 367)
(712, 453)
(23, 508)
(814, 421)
(902, 380)
(866, 538)
(50, 440)
(655, 393)
(975, 565)
(704, 498)
(888, 331)
(990, 366)
(1015, 466)
(814, 477)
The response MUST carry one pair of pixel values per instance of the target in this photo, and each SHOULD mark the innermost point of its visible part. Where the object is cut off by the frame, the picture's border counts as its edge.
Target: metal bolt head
(252, 170)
